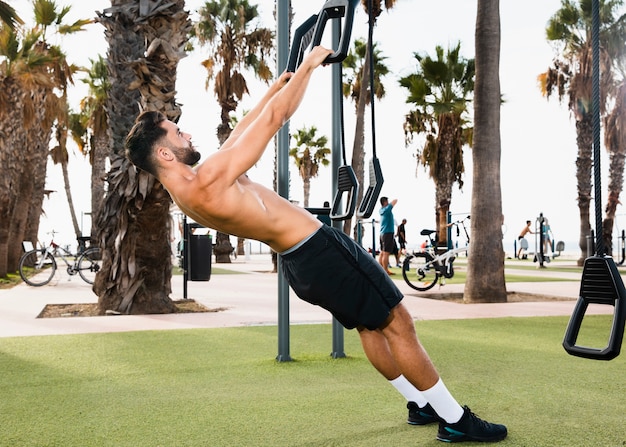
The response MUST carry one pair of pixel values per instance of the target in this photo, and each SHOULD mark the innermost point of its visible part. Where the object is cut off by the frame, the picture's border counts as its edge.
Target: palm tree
(60, 156)
(615, 142)
(356, 83)
(485, 266)
(235, 44)
(94, 120)
(309, 153)
(439, 91)
(32, 72)
(8, 16)
(146, 41)
(570, 76)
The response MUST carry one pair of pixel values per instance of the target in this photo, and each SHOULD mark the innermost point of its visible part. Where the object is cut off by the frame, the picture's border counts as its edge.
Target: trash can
(199, 252)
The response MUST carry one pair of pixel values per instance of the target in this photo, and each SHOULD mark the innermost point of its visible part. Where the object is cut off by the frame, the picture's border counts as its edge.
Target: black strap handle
(336, 10)
(601, 284)
(301, 40)
(348, 189)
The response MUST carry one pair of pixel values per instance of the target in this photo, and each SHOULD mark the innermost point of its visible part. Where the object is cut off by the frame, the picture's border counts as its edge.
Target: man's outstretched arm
(245, 149)
(256, 110)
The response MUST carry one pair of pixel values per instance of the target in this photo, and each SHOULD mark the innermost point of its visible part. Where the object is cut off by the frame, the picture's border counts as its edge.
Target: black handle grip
(336, 9)
(301, 40)
(601, 284)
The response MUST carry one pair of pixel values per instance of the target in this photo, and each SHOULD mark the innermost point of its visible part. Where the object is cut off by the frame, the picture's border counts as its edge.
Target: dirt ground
(512, 297)
(186, 306)
(91, 309)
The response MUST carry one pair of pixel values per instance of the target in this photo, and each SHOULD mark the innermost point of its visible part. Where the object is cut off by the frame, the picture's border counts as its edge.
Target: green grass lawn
(222, 387)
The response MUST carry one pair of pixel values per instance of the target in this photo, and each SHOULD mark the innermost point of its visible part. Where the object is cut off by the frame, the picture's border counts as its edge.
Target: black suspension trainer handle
(601, 284)
(335, 10)
(345, 200)
(376, 180)
(301, 40)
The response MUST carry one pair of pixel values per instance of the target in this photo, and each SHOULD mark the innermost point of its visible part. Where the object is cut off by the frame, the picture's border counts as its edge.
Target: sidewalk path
(250, 298)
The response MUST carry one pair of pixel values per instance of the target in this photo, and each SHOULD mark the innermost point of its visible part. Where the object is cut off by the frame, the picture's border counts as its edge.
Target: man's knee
(399, 320)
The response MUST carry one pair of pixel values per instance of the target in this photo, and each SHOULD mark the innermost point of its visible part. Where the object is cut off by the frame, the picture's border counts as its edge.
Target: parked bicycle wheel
(89, 264)
(37, 267)
(418, 271)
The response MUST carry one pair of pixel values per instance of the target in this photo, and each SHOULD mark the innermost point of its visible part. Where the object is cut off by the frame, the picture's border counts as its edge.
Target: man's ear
(164, 153)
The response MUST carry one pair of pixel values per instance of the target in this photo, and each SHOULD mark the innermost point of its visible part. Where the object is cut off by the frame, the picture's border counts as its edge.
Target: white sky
(538, 137)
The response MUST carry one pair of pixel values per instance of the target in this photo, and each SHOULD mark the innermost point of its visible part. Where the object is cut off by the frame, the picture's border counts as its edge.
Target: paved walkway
(250, 298)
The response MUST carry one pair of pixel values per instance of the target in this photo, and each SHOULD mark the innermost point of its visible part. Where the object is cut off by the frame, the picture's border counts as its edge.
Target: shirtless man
(322, 265)
(522, 237)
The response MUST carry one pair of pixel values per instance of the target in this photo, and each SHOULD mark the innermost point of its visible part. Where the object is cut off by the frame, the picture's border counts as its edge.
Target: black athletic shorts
(388, 243)
(332, 271)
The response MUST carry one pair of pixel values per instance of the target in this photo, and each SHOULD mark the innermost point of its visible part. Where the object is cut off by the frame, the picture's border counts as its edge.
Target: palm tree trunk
(616, 182)
(12, 140)
(98, 171)
(485, 271)
(70, 200)
(29, 197)
(448, 146)
(135, 219)
(584, 165)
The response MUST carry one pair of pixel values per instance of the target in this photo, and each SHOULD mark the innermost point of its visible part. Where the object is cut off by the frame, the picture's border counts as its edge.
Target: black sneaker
(471, 428)
(421, 416)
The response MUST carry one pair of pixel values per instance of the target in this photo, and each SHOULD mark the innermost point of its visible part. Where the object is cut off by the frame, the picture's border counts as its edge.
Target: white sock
(409, 391)
(443, 403)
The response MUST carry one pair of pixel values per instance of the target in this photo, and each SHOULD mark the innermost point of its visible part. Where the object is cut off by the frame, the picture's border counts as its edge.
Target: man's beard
(189, 155)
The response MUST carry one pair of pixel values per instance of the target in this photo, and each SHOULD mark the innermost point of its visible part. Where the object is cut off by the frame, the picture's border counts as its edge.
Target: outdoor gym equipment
(310, 34)
(601, 282)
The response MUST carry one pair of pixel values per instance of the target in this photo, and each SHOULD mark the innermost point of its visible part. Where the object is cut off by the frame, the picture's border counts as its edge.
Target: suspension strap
(376, 179)
(347, 183)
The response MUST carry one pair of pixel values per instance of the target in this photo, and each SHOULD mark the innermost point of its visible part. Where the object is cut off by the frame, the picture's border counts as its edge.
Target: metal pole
(337, 98)
(282, 37)
(541, 240)
(373, 238)
(449, 230)
(185, 254)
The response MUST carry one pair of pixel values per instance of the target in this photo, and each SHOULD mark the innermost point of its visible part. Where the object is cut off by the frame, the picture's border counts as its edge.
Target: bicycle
(422, 270)
(37, 267)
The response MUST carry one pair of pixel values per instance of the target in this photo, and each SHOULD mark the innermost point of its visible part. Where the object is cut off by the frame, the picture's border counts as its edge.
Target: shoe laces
(475, 420)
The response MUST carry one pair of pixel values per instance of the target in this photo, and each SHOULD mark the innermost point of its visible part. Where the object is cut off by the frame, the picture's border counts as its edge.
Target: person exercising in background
(321, 264)
(522, 238)
(401, 235)
(387, 226)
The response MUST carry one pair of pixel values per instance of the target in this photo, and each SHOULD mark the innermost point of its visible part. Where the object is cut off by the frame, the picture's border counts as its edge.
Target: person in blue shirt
(387, 230)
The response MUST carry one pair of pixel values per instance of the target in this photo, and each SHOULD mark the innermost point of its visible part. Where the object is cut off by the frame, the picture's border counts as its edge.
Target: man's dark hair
(384, 200)
(141, 139)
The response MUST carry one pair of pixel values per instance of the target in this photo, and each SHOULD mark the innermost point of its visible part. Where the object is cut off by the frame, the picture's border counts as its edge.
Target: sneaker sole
(410, 422)
(466, 438)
